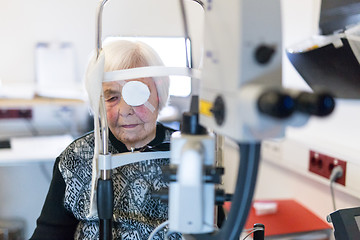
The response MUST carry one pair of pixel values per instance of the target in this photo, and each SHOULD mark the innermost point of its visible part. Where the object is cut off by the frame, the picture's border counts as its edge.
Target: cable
(157, 229)
(199, 2)
(252, 230)
(332, 196)
(168, 234)
(249, 153)
(249, 234)
(242, 198)
(336, 173)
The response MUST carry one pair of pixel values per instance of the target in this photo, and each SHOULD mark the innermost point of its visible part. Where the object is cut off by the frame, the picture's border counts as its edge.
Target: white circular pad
(135, 93)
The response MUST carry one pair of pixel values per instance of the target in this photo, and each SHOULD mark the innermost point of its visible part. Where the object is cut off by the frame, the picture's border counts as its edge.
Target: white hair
(123, 54)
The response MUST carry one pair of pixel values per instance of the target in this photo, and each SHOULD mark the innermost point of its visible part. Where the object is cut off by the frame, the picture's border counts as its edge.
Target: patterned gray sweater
(136, 212)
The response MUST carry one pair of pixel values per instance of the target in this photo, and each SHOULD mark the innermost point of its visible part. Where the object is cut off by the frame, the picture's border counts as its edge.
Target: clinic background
(283, 170)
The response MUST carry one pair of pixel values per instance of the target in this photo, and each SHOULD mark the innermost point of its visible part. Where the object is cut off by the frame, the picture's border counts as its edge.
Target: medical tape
(121, 159)
(149, 106)
(152, 71)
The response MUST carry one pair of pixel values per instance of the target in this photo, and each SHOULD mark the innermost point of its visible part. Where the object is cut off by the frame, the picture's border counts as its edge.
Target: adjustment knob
(221, 196)
(276, 104)
(263, 53)
(218, 110)
(318, 104)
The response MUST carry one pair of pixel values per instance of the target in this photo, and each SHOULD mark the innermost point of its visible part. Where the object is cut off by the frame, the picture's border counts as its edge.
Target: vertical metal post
(105, 194)
(259, 233)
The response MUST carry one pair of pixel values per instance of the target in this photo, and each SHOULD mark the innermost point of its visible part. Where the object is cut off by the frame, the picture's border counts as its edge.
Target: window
(173, 53)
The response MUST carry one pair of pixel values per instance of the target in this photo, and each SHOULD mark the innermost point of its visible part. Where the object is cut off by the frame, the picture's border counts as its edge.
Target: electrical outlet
(322, 165)
(15, 113)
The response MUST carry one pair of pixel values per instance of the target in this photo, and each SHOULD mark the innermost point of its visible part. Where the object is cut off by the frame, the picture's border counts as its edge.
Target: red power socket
(323, 165)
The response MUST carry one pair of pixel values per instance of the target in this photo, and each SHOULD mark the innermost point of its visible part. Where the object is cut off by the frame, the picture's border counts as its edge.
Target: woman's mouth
(130, 125)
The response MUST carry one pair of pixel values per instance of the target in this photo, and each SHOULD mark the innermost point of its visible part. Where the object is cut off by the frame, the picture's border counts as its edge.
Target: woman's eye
(112, 99)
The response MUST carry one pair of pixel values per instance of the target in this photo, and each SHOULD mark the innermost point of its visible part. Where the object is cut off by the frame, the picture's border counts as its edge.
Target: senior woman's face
(134, 126)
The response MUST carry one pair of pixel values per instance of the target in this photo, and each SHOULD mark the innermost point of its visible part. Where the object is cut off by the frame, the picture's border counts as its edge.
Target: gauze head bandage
(136, 93)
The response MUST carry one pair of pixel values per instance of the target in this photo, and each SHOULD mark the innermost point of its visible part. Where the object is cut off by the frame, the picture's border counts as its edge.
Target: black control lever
(280, 104)
(318, 104)
(276, 103)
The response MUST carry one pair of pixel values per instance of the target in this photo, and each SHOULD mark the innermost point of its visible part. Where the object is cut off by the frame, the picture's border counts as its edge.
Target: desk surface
(33, 149)
(17, 102)
(290, 218)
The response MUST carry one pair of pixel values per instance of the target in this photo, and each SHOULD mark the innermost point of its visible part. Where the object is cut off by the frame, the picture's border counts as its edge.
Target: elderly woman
(136, 212)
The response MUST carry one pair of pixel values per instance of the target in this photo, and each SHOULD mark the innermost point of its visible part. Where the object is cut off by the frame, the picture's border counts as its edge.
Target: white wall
(25, 23)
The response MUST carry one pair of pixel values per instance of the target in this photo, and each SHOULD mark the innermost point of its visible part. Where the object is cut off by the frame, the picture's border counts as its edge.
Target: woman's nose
(125, 109)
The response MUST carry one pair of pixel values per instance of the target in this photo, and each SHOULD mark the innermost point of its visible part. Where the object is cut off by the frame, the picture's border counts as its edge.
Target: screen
(357, 219)
(346, 223)
(336, 15)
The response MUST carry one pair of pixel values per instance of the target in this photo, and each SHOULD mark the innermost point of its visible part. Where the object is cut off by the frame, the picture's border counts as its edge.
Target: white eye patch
(136, 93)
